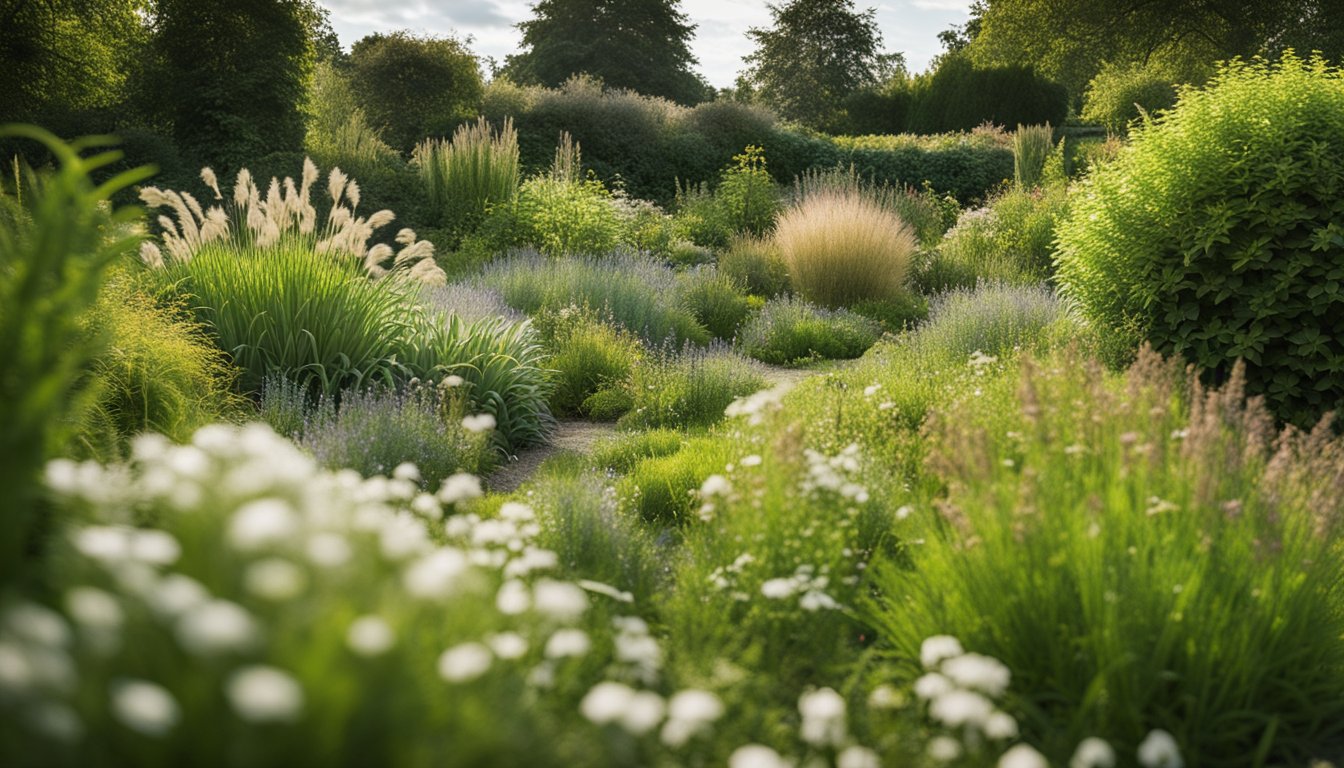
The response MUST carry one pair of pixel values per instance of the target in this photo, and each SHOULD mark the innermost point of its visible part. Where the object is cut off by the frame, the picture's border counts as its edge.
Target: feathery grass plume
(843, 246)
(567, 165)
(1032, 144)
(285, 215)
(466, 175)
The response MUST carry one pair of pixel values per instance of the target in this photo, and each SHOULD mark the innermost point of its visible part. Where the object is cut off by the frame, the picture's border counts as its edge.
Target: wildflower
(778, 589)
(871, 390)
(560, 600)
(275, 579)
(1001, 726)
(566, 643)
(1022, 756)
(598, 587)
(944, 749)
(689, 712)
(144, 707)
(261, 694)
(1093, 753)
(982, 673)
(716, 485)
(369, 636)
(1160, 750)
(754, 460)
(216, 627)
(435, 575)
(94, 609)
(886, 697)
(453, 380)
(464, 663)
(756, 756)
(507, 645)
(606, 702)
(857, 757)
(329, 550)
(815, 600)
(823, 714)
(513, 598)
(957, 708)
(934, 649)
(481, 422)
(262, 522)
(175, 594)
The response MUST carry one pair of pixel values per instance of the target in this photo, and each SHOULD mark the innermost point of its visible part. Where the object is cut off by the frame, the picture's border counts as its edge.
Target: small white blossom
(275, 579)
(216, 627)
(370, 636)
(261, 694)
(756, 756)
(1093, 752)
(560, 600)
(145, 707)
(481, 422)
(857, 757)
(465, 662)
(460, 487)
(1160, 750)
(934, 649)
(566, 643)
(982, 673)
(823, 714)
(1022, 756)
(507, 645)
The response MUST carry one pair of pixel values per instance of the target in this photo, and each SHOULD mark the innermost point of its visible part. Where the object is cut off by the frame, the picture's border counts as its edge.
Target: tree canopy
(642, 45)
(816, 53)
(413, 86)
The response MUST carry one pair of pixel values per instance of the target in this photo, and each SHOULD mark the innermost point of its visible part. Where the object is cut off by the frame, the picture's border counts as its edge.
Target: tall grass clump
(995, 319)
(466, 175)
(843, 247)
(377, 431)
(689, 389)
(58, 238)
(756, 265)
(1142, 553)
(338, 131)
(638, 294)
(1032, 145)
(716, 300)
(789, 330)
(587, 355)
(1232, 251)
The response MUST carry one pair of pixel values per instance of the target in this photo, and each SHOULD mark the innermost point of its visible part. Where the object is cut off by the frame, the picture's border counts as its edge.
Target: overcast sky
(908, 26)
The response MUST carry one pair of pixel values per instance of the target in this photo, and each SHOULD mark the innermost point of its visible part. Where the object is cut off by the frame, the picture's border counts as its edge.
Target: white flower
(406, 471)
(567, 642)
(436, 575)
(460, 487)
(1160, 750)
(1001, 726)
(513, 598)
(756, 756)
(275, 579)
(260, 523)
(643, 712)
(857, 757)
(37, 624)
(261, 694)
(328, 550)
(370, 636)
(932, 685)
(216, 627)
(944, 749)
(599, 588)
(507, 645)
(871, 390)
(94, 609)
(695, 706)
(606, 702)
(983, 673)
(175, 594)
(716, 485)
(453, 380)
(823, 714)
(778, 589)
(1093, 752)
(16, 671)
(144, 707)
(1022, 756)
(516, 513)
(560, 600)
(886, 697)
(754, 460)
(480, 422)
(957, 708)
(465, 662)
(815, 600)
(935, 649)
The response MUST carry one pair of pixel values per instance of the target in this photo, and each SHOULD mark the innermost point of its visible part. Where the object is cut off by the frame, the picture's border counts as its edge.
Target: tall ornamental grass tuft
(994, 320)
(1142, 553)
(689, 389)
(463, 177)
(844, 247)
(58, 237)
(789, 330)
(1032, 145)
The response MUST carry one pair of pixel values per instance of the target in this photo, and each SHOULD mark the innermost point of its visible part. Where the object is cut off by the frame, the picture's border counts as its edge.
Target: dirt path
(579, 436)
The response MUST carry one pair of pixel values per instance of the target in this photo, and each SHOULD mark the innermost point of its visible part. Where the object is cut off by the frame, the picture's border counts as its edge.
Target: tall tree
(412, 87)
(643, 45)
(817, 53)
(231, 76)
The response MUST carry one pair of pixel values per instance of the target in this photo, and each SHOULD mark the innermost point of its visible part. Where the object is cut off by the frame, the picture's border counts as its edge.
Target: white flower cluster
(755, 407)
(807, 584)
(960, 689)
(823, 727)
(683, 716)
(835, 474)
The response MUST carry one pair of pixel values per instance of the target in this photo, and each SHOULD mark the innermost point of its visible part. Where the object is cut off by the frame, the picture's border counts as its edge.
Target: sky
(908, 26)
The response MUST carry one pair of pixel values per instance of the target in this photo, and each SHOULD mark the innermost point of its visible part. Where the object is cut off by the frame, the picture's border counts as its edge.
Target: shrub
(955, 164)
(789, 330)
(338, 133)
(608, 404)
(376, 432)
(558, 218)
(466, 176)
(1232, 623)
(637, 293)
(756, 265)
(412, 87)
(55, 248)
(468, 302)
(842, 248)
(661, 489)
(716, 301)
(586, 356)
(1233, 249)
(958, 96)
(928, 214)
(897, 314)
(700, 217)
(747, 193)
(1032, 145)
(159, 373)
(993, 320)
(1121, 93)
(1011, 240)
(689, 389)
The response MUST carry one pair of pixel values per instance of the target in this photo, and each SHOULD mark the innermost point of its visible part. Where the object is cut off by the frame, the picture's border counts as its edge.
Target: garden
(599, 428)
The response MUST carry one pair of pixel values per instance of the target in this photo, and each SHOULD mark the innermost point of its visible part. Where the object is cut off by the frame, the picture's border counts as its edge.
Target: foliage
(587, 355)
(958, 96)
(247, 102)
(1233, 250)
(378, 431)
(1057, 483)
(927, 213)
(56, 244)
(1011, 240)
(641, 46)
(747, 193)
(844, 247)
(716, 300)
(338, 133)
(466, 177)
(1032, 145)
(661, 489)
(467, 302)
(995, 320)
(756, 265)
(1119, 94)
(619, 454)
(638, 294)
(689, 389)
(556, 217)
(788, 331)
(412, 87)
(968, 167)
(159, 373)
(815, 54)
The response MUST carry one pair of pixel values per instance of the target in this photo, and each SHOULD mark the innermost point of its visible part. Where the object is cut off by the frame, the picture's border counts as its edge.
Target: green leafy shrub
(844, 247)
(755, 264)
(558, 218)
(700, 217)
(587, 355)
(1121, 93)
(789, 330)
(1057, 484)
(1011, 240)
(159, 373)
(958, 96)
(608, 404)
(690, 389)
(638, 294)
(378, 431)
(464, 177)
(56, 245)
(961, 165)
(896, 314)
(747, 193)
(413, 86)
(338, 132)
(716, 301)
(1233, 249)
